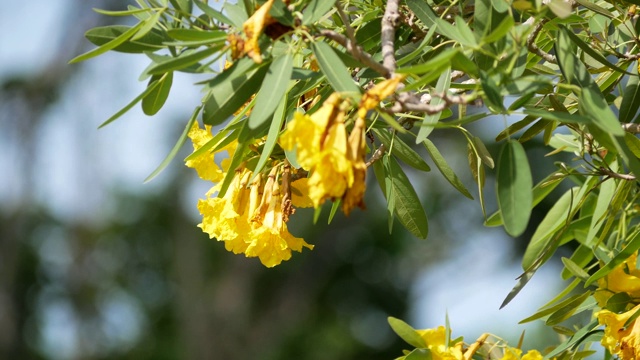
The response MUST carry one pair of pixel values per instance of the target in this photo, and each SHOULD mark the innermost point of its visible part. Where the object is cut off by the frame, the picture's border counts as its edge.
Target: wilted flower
(254, 27)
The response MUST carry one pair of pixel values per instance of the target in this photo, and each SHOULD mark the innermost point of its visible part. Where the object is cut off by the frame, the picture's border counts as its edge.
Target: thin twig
(347, 25)
(389, 23)
(377, 155)
(631, 128)
(355, 50)
(613, 174)
(531, 42)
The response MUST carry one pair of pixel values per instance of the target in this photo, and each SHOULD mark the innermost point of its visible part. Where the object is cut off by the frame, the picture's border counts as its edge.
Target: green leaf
(407, 204)
(197, 35)
(230, 90)
(176, 148)
(563, 117)
(112, 44)
(493, 97)
(183, 60)
(575, 269)
(419, 354)
(443, 58)
(500, 31)
(539, 192)
(236, 161)
(274, 87)
(152, 41)
(315, 10)
(605, 195)
(567, 309)
(129, 12)
(333, 68)
(444, 82)
(631, 97)
(633, 143)
(153, 102)
(587, 48)
(213, 13)
(633, 245)
(150, 88)
(423, 11)
(149, 23)
(406, 332)
(513, 187)
(400, 149)
(577, 338)
(445, 169)
(272, 136)
(555, 220)
(618, 302)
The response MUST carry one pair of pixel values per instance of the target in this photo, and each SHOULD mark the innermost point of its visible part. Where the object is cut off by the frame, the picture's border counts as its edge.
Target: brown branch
(612, 174)
(531, 43)
(357, 51)
(631, 128)
(377, 155)
(389, 23)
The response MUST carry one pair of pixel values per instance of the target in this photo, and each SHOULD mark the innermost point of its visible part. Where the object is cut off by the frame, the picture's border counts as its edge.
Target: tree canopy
(303, 101)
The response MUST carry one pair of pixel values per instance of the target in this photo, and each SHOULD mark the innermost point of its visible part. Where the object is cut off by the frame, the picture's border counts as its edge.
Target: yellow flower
(300, 193)
(335, 159)
(533, 355)
(621, 341)
(270, 239)
(515, 354)
(435, 339)
(253, 28)
(227, 218)
(205, 163)
(624, 278)
(379, 92)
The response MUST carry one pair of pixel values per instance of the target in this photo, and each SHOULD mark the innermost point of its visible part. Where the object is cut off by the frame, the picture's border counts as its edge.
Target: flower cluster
(438, 347)
(621, 331)
(251, 216)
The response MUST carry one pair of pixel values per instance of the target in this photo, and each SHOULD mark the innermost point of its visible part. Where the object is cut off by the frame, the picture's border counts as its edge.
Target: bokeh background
(94, 264)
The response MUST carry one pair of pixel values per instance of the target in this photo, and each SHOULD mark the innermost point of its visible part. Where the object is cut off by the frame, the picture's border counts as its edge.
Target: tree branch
(631, 128)
(389, 23)
(357, 51)
(377, 155)
(531, 43)
(612, 174)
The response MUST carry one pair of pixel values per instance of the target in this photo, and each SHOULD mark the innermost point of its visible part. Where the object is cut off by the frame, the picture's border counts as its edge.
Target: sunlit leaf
(513, 187)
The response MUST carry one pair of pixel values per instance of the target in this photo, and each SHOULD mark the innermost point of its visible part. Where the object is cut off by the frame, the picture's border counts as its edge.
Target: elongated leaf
(176, 148)
(406, 332)
(152, 41)
(129, 12)
(315, 10)
(407, 204)
(548, 310)
(153, 102)
(607, 190)
(272, 136)
(631, 97)
(443, 58)
(513, 187)
(194, 35)
(236, 160)
(212, 13)
(593, 53)
(333, 68)
(563, 117)
(183, 60)
(500, 31)
(592, 103)
(232, 91)
(444, 82)
(633, 245)
(555, 219)
(423, 11)
(150, 88)
(574, 340)
(575, 269)
(445, 169)
(112, 44)
(419, 354)
(400, 149)
(275, 84)
(539, 192)
(149, 23)
(569, 309)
